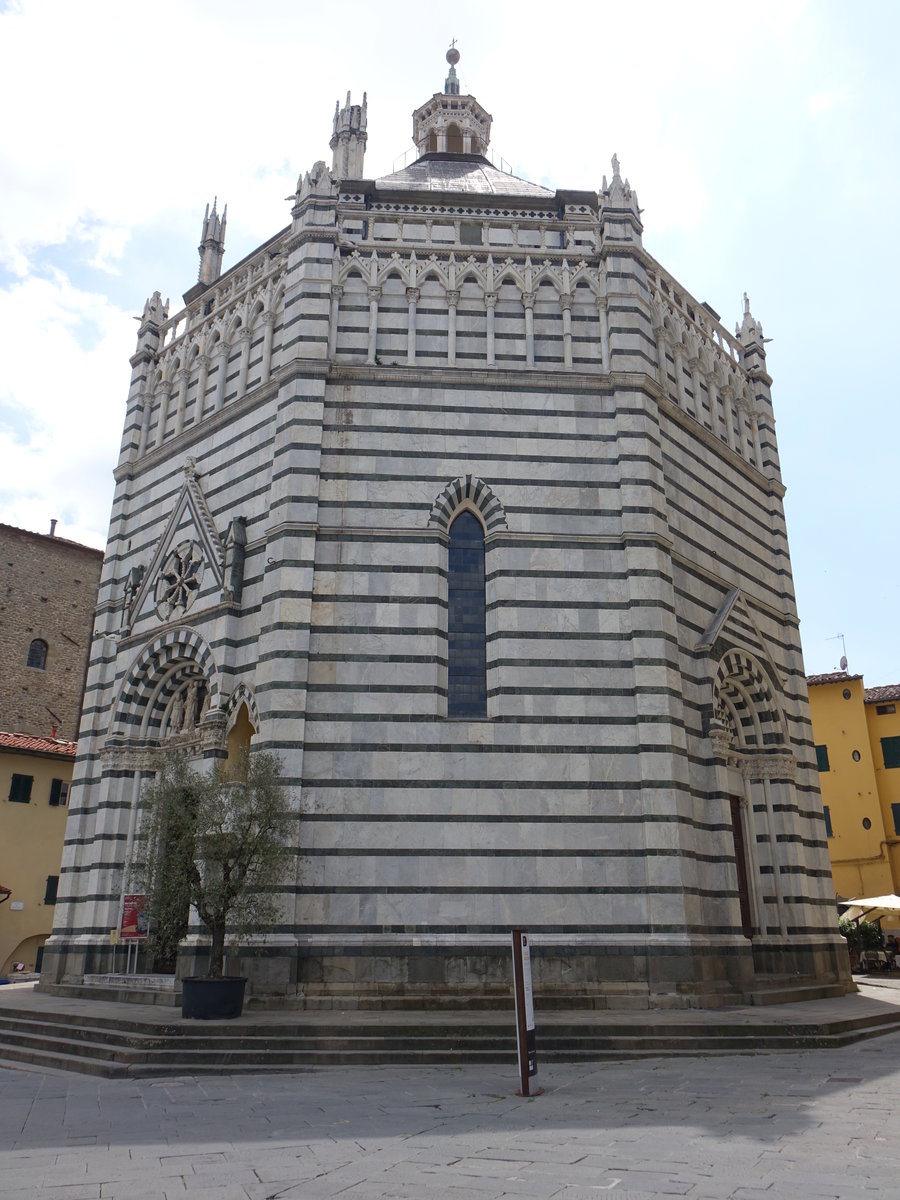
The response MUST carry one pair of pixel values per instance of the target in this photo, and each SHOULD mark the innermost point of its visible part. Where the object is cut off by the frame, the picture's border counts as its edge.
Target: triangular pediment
(188, 548)
(733, 627)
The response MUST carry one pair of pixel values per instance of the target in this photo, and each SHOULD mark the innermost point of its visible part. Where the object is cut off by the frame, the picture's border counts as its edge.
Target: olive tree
(217, 842)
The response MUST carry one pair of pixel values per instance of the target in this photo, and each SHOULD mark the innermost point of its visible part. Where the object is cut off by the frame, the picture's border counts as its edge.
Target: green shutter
(829, 832)
(895, 809)
(20, 788)
(822, 758)
(890, 748)
(55, 788)
(50, 892)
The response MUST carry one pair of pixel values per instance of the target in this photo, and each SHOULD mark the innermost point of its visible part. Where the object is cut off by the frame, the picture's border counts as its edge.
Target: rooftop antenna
(840, 636)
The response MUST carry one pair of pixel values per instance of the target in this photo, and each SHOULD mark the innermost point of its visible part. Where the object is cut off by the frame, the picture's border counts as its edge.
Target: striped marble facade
(308, 428)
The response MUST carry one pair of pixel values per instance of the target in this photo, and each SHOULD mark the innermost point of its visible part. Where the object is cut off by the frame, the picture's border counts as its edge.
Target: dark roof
(831, 677)
(27, 743)
(878, 695)
(466, 173)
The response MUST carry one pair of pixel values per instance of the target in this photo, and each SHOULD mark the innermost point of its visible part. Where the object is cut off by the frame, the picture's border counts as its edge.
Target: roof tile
(29, 743)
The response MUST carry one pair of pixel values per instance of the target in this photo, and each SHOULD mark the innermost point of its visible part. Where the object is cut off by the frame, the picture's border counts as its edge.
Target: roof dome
(460, 173)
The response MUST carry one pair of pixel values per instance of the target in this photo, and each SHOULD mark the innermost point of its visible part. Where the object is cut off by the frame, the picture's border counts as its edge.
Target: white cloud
(61, 405)
(822, 102)
(744, 131)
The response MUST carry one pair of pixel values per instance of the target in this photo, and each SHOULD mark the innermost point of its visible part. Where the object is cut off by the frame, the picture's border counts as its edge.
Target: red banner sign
(135, 917)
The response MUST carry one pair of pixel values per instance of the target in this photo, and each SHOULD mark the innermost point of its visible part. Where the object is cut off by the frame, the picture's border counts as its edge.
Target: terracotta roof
(28, 743)
(831, 677)
(878, 695)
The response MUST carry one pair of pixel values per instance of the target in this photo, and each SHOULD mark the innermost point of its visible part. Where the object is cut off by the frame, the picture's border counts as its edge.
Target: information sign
(525, 1032)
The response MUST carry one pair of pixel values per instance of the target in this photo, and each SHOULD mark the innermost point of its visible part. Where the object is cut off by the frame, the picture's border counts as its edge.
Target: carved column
(662, 342)
(412, 298)
(182, 378)
(754, 428)
(203, 376)
(528, 301)
(268, 334)
(713, 402)
(374, 298)
(163, 392)
(603, 318)
(452, 301)
(221, 373)
(336, 294)
(146, 405)
(565, 303)
(694, 368)
(490, 300)
(244, 337)
(727, 396)
(677, 353)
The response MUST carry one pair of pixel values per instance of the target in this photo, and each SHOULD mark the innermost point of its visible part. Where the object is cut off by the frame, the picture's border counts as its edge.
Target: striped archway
(162, 671)
(744, 701)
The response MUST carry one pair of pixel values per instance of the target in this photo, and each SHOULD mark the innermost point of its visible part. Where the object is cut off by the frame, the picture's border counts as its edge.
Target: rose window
(179, 580)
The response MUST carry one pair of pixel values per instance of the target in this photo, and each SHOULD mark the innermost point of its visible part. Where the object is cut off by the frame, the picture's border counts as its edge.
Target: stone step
(54, 1060)
(794, 993)
(112, 1044)
(123, 1031)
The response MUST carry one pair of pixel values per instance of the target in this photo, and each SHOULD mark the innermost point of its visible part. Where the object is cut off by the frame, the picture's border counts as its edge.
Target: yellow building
(857, 735)
(35, 774)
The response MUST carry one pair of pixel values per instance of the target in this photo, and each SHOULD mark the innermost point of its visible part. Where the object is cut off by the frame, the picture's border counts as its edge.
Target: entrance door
(740, 859)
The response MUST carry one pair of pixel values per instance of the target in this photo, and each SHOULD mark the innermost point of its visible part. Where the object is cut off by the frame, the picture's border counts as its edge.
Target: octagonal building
(452, 496)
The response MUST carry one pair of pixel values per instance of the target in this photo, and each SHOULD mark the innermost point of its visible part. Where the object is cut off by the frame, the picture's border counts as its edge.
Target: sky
(763, 142)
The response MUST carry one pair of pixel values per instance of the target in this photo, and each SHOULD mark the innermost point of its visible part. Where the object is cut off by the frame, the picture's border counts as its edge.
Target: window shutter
(20, 788)
(895, 809)
(52, 885)
(829, 832)
(59, 792)
(890, 748)
(822, 758)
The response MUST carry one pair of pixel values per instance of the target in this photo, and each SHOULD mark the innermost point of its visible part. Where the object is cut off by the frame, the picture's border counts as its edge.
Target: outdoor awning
(870, 908)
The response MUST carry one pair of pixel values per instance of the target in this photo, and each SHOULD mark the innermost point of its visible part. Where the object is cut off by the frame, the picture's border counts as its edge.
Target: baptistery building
(454, 498)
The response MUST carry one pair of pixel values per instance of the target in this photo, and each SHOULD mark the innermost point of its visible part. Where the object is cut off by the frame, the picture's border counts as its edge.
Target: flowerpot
(205, 999)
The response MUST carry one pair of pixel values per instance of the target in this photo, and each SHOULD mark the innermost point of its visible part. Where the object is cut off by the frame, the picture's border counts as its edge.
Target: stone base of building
(681, 975)
(580, 975)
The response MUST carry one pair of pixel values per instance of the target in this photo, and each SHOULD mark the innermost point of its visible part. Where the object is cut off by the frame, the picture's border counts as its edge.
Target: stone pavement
(765, 1127)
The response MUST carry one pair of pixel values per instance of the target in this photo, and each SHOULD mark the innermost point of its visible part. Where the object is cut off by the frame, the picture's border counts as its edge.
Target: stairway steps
(93, 1042)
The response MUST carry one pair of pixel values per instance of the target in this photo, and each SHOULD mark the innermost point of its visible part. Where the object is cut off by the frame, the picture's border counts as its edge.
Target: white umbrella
(870, 907)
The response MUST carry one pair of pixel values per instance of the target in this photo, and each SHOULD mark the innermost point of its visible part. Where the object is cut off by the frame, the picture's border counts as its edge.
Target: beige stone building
(48, 590)
(454, 497)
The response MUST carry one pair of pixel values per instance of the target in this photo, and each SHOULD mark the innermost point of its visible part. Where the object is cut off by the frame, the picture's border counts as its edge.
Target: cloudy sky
(762, 140)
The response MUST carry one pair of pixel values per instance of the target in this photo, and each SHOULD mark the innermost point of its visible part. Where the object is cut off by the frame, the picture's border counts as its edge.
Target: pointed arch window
(466, 649)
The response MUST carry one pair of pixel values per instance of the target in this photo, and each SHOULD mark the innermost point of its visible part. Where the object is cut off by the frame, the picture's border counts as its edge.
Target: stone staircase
(100, 1039)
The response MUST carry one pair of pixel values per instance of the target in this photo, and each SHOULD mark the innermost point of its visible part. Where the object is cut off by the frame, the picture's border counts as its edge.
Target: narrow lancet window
(466, 651)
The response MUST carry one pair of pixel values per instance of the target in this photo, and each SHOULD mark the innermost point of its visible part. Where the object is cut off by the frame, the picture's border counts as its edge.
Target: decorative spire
(449, 123)
(618, 194)
(212, 244)
(348, 141)
(451, 83)
(750, 330)
(750, 335)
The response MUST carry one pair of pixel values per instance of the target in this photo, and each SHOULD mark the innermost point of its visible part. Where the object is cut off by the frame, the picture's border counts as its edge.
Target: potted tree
(215, 843)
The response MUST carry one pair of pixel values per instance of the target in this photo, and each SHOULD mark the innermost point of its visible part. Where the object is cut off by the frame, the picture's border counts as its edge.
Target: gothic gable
(188, 552)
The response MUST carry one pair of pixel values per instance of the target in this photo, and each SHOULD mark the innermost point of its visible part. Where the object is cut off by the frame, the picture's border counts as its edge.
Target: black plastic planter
(205, 999)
